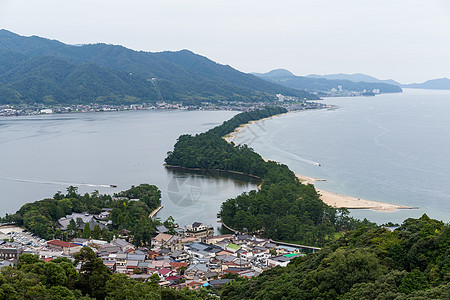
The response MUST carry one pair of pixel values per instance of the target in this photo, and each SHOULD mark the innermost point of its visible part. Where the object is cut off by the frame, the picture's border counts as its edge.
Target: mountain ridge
(432, 84)
(356, 77)
(323, 85)
(176, 75)
(437, 83)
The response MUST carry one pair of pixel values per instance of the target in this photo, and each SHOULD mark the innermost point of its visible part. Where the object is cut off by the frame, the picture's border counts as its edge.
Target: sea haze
(45, 154)
(390, 148)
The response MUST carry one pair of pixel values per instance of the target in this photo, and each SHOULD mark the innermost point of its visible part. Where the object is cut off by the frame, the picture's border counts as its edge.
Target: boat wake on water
(290, 155)
(58, 182)
(268, 142)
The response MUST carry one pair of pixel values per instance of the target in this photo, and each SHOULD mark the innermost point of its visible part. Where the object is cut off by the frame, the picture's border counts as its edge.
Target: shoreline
(155, 211)
(242, 127)
(343, 201)
(213, 170)
(349, 202)
(330, 198)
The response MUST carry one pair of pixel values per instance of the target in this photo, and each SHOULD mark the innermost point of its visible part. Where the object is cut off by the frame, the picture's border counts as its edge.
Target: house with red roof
(165, 272)
(66, 247)
(178, 265)
(130, 266)
(174, 278)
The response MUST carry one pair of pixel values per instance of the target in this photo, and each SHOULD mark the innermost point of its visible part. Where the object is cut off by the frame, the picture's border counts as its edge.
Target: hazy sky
(407, 40)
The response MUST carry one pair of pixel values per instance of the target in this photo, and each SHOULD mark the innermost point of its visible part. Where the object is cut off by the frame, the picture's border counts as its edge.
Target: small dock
(153, 213)
(303, 247)
(230, 229)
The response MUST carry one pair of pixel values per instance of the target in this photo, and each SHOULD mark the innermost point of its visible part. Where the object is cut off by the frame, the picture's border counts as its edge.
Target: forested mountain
(288, 79)
(35, 69)
(50, 80)
(412, 262)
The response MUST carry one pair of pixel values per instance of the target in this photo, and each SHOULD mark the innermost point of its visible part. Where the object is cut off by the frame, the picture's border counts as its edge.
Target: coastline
(213, 170)
(330, 198)
(231, 135)
(343, 201)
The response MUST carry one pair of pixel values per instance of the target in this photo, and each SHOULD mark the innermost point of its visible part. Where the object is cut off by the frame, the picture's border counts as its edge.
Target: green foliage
(244, 118)
(362, 265)
(86, 231)
(283, 209)
(35, 279)
(97, 232)
(149, 194)
(43, 71)
(58, 279)
(93, 274)
(27, 259)
(41, 217)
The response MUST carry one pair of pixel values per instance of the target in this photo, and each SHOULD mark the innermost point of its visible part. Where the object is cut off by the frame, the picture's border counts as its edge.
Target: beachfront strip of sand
(229, 137)
(343, 201)
(329, 198)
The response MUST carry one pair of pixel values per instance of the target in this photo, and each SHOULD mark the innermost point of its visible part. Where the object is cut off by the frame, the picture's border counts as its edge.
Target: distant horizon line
(251, 72)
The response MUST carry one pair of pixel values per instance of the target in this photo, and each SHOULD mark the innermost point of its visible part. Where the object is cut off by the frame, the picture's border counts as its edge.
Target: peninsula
(282, 208)
(332, 199)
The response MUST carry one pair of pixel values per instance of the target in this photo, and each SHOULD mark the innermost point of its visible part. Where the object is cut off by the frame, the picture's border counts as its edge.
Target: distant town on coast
(224, 150)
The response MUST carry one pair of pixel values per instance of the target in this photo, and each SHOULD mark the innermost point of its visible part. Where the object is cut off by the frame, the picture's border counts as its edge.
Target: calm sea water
(391, 148)
(41, 155)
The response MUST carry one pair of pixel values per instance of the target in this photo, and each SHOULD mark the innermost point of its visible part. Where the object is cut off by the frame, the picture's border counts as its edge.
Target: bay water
(391, 148)
(43, 154)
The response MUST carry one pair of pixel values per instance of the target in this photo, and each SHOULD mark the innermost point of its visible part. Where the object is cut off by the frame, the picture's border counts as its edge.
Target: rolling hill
(39, 70)
(433, 84)
(357, 77)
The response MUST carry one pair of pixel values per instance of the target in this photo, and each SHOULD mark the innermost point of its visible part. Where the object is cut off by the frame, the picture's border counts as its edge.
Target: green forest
(33, 278)
(38, 70)
(411, 262)
(41, 217)
(209, 151)
(358, 259)
(366, 262)
(283, 209)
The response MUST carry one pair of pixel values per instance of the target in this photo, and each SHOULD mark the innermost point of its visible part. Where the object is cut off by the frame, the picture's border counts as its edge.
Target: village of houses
(193, 258)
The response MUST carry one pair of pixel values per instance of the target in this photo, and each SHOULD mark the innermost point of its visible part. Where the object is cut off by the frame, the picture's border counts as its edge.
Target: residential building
(10, 253)
(66, 247)
(198, 229)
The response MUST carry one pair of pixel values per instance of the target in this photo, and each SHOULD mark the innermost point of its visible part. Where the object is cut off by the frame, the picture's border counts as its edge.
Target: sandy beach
(229, 137)
(343, 201)
(330, 198)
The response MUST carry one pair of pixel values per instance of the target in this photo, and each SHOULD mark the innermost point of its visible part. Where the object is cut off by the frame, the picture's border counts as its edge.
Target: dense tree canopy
(412, 262)
(283, 209)
(37, 70)
(130, 210)
(33, 278)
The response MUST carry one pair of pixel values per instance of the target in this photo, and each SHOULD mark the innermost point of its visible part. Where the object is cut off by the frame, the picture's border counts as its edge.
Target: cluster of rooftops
(82, 218)
(182, 260)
